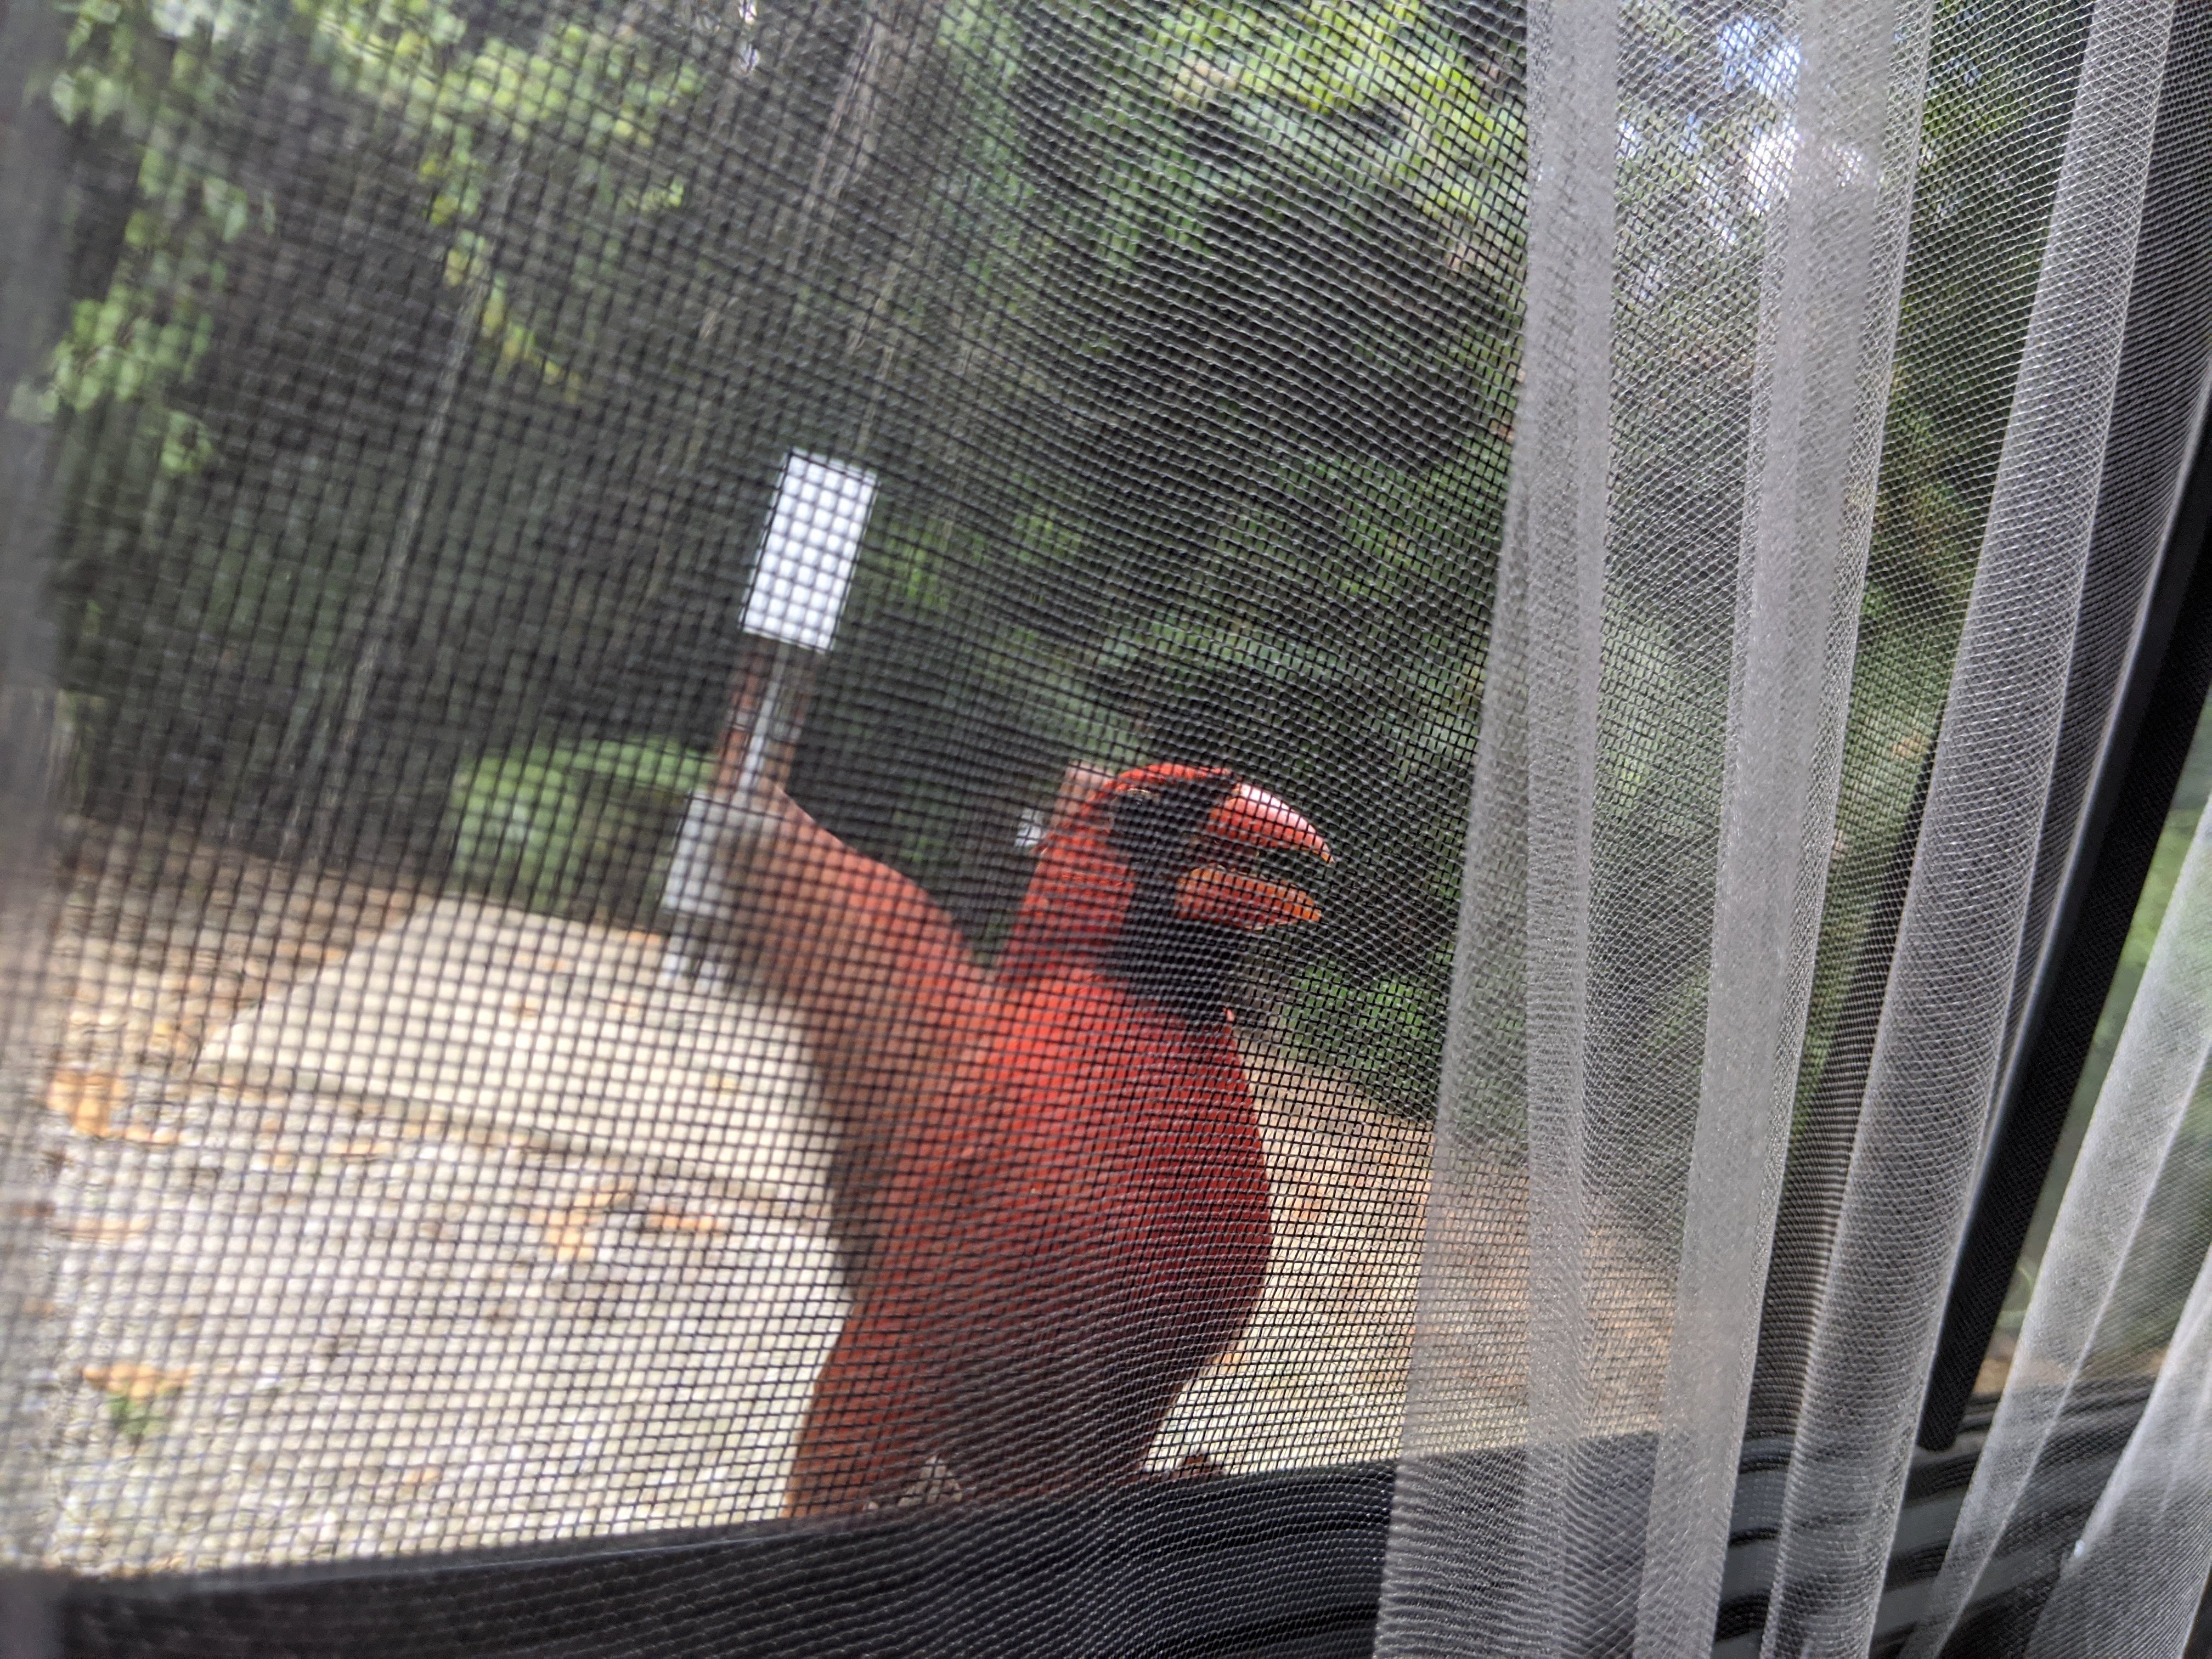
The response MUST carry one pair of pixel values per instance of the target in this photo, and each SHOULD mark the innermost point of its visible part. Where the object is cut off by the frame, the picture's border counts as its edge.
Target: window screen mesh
(447, 1146)
(741, 740)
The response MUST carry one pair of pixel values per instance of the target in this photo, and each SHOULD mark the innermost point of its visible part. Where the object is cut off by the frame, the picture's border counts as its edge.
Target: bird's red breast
(1070, 1248)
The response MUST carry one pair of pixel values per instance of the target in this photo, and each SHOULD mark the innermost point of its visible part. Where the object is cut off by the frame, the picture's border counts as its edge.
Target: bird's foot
(933, 1483)
(1197, 1466)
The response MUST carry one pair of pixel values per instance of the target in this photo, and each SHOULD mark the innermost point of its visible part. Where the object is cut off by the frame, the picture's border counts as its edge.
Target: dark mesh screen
(454, 1149)
(751, 751)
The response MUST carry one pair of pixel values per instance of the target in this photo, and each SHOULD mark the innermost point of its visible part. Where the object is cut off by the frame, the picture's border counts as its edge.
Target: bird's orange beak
(1248, 822)
(1253, 820)
(1239, 899)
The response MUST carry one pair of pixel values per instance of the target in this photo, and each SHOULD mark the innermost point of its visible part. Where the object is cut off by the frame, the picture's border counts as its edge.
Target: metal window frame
(1285, 1566)
(1256, 1567)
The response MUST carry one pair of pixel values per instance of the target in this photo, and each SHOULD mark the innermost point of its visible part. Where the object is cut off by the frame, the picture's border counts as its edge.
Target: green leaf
(544, 825)
(185, 447)
(32, 404)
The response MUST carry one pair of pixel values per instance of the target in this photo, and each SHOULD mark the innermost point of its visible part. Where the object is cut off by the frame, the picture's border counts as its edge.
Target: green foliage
(475, 110)
(159, 78)
(149, 76)
(1183, 339)
(548, 828)
(1386, 1034)
(1373, 98)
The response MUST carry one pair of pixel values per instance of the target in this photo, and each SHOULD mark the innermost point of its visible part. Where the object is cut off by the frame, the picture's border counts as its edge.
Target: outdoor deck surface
(386, 1223)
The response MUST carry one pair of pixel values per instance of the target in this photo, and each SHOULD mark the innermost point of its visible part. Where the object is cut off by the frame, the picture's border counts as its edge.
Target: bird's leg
(935, 1484)
(1197, 1466)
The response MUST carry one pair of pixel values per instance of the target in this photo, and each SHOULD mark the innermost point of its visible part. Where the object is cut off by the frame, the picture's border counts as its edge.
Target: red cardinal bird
(876, 974)
(1077, 1240)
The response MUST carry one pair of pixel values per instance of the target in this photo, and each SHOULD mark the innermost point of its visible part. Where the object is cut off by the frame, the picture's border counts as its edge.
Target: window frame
(2161, 703)
(1290, 1566)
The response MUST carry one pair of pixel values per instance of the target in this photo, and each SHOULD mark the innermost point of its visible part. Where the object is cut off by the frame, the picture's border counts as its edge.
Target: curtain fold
(1938, 1048)
(1718, 233)
(2131, 1224)
(2134, 1583)
(2136, 1178)
(1834, 261)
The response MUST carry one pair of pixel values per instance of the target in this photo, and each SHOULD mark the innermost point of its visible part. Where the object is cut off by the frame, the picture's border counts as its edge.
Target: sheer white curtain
(1936, 1053)
(2131, 1229)
(2134, 1585)
(1719, 240)
(1715, 247)
(2138, 1176)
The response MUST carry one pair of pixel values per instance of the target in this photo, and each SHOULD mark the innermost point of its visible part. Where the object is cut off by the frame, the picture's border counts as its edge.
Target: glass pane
(2190, 796)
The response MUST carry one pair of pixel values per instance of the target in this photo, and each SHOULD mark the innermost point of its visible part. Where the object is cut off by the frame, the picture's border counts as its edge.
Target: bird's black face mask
(1183, 965)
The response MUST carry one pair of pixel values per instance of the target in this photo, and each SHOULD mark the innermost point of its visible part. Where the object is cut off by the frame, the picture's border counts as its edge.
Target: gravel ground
(341, 1271)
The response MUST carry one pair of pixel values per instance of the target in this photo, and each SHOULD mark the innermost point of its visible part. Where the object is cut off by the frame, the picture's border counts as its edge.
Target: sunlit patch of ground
(383, 1223)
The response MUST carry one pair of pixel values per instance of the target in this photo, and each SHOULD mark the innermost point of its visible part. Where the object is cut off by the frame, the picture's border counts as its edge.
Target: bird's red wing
(1073, 1215)
(889, 1389)
(1061, 1261)
(988, 1230)
(892, 1005)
